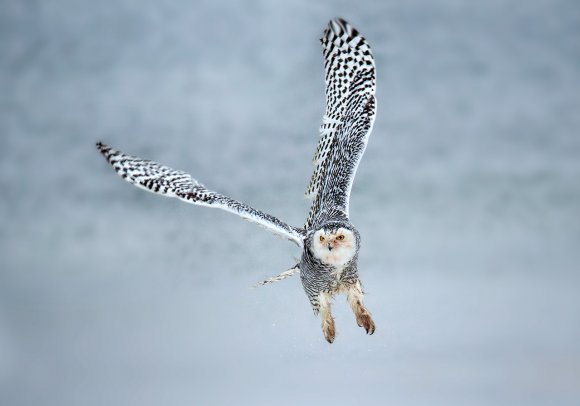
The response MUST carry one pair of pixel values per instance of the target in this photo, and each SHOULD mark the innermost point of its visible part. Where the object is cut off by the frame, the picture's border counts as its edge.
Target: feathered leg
(355, 299)
(324, 308)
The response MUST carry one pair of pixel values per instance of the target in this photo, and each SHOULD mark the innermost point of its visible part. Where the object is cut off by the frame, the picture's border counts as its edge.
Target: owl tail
(283, 275)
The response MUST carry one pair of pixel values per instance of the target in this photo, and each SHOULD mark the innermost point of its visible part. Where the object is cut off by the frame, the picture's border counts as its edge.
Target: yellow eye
(340, 237)
(321, 238)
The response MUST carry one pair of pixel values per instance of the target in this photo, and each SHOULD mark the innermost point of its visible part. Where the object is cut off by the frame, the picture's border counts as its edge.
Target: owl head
(334, 245)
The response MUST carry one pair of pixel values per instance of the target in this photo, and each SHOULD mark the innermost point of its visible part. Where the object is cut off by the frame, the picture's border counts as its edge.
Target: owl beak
(330, 247)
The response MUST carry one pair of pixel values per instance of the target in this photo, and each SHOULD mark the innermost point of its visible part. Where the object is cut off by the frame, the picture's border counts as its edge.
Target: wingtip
(340, 26)
(101, 146)
(334, 26)
(104, 149)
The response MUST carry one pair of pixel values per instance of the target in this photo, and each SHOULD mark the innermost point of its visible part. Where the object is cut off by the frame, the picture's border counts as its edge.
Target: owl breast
(338, 259)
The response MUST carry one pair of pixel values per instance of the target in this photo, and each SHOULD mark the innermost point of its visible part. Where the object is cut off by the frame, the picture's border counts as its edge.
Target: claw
(363, 317)
(329, 331)
(364, 320)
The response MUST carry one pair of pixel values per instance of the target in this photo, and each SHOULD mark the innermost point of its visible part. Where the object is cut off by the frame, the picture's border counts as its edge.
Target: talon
(362, 315)
(367, 322)
(329, 330)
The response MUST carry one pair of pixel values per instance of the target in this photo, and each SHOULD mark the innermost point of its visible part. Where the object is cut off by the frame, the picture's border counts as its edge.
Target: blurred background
(467, 200)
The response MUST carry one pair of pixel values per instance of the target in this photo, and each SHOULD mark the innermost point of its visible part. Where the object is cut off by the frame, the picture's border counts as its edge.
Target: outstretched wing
(347, 122)
(163, 180)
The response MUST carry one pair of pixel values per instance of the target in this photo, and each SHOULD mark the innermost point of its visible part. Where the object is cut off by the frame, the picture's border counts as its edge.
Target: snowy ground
(468, 202)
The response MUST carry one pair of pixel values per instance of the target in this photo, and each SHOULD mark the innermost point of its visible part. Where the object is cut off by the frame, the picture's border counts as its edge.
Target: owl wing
(160, 179)
(349, 117)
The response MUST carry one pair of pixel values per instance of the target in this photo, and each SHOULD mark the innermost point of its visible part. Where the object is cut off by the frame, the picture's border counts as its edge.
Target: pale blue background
(468, 202)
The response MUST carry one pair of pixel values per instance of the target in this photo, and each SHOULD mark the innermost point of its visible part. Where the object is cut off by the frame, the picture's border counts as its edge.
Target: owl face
(334, 247)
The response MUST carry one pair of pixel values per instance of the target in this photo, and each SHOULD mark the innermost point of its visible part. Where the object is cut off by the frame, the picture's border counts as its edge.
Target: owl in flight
(330, 243)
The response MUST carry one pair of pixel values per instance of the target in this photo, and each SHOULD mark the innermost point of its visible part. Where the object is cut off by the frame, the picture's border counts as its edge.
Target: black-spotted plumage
(329, 241)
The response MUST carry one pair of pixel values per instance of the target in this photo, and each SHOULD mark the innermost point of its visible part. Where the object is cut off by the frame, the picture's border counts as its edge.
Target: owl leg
(324, 308)
(355, 295)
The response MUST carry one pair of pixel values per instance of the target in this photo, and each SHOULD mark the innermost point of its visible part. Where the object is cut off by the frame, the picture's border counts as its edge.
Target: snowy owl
(330, 243)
